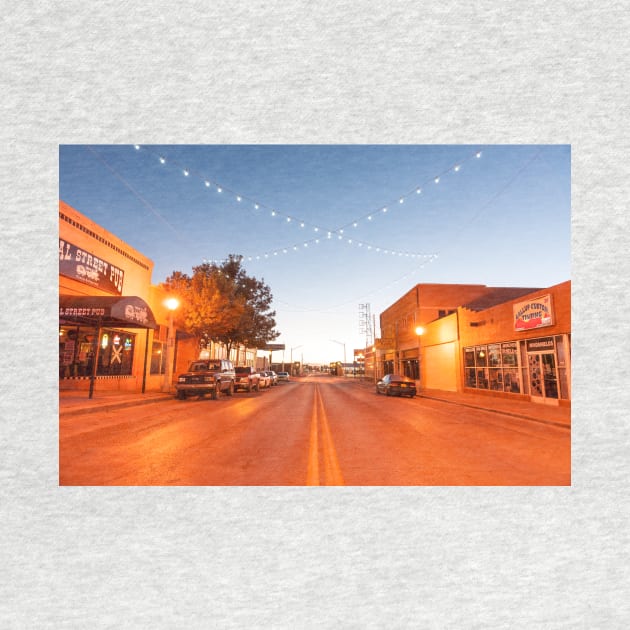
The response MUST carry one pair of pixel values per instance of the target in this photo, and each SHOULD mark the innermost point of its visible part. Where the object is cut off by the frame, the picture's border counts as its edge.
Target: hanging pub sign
(80, 265)
(534, 313)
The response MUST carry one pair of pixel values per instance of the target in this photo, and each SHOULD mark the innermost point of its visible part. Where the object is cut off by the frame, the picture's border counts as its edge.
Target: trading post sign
(534, 313)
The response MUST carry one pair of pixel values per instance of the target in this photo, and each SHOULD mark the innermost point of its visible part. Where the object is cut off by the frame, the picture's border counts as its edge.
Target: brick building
(508, 341)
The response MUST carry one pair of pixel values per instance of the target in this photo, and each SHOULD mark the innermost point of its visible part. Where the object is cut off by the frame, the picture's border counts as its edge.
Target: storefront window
(115, 355)
(493, 367)
(469, 357)
(76, 352)
(494, 355)
(481, 357)
(157, 365)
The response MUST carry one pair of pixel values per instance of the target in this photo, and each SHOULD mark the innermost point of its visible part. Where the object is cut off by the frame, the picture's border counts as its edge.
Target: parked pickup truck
(247, 378)
(206, 377)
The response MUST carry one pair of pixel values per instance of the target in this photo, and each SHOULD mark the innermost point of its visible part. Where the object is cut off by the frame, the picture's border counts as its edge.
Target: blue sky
(331, 227)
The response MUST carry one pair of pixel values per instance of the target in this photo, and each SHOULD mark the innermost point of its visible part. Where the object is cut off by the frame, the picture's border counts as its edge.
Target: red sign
(534, 313)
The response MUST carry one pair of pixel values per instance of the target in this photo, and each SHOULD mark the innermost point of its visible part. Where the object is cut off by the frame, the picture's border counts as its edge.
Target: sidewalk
(547, 414)
(77, 402)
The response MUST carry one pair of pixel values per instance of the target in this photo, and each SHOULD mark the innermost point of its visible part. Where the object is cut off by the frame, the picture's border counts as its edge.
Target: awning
(110, 311)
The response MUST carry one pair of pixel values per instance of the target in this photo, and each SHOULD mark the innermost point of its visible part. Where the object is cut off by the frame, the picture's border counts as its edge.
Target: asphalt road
(318, 431)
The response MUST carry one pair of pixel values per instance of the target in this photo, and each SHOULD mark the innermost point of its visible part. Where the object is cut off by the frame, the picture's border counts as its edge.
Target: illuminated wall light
(478, 154)
(401, 200)
(339, 237)
(340, 231)
(219, 189)
(418, 191)
(316, 229)
(186, 173)
(136, 147)
(457, 168)
(162, 160)
(437, 180)
(256, 206)
(295, 248)
(369, 218)
(305, 244)
(302, 224)
(273, 213)
(238, 198)
(275, 253)
(284, 251)
(317, 241)
(288, 219)
(384, 209)
(355, 224)
(207, 184)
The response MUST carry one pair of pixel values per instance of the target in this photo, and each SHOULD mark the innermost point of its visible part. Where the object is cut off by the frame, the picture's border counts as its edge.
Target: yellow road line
(332, 470)
(312, 473)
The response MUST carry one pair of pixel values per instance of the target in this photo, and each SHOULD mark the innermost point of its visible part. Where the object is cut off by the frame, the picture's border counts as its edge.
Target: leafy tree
(223, 303)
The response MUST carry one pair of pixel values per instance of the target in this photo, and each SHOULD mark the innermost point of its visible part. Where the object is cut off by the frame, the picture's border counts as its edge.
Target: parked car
(396, 385)
(273, 376)
(247, 378)
(265, 380)
(206, 377)
(283, 376)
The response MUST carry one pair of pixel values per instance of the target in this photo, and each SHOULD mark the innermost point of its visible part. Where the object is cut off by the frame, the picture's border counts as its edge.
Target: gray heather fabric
(327, 72)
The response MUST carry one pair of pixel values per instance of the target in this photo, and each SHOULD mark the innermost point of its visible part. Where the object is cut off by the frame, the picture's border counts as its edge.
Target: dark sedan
(396, 385)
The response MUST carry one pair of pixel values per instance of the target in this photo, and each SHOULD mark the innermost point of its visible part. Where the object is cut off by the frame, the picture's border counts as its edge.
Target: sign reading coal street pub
(80, 265)
(534, 313)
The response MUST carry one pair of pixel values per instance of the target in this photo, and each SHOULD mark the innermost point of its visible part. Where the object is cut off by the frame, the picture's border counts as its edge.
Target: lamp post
(419, 332)
(344, 354)
(171, 304)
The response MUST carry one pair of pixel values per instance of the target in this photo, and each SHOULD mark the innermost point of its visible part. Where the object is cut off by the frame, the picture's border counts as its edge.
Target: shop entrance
(543, 377)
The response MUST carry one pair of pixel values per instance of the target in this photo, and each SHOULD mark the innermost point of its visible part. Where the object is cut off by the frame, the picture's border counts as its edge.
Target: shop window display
(76, 352)
(493, 367)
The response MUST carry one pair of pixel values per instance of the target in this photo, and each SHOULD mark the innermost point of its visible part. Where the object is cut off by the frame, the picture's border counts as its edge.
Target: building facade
(508, 341)
(113, 323)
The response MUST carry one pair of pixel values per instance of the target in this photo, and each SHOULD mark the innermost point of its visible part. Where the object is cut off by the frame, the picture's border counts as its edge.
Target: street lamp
(344, 354)
(171, 304)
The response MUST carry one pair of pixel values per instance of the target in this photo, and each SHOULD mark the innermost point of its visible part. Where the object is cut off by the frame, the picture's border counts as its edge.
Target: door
(543, 377)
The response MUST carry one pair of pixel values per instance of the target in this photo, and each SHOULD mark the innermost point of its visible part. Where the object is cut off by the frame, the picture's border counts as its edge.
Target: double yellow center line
(331, 473)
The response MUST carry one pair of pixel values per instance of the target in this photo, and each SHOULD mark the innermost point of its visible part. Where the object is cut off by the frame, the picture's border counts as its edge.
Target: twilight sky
(330, 227)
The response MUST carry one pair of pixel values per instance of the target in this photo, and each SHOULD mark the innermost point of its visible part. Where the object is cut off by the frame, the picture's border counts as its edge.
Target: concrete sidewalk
(547, 414)
(77, 402)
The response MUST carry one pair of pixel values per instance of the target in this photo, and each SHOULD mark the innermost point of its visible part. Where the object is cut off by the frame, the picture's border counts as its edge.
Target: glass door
(543, 377)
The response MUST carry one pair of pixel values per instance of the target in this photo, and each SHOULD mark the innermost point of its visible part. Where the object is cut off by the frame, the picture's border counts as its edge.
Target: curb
(111, 406)
(562, 425)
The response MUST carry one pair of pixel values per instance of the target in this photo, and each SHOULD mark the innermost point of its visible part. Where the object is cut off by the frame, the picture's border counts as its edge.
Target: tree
(224, 304)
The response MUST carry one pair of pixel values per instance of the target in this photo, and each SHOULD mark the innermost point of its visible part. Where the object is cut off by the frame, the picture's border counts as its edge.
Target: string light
(302, 222)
